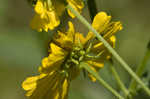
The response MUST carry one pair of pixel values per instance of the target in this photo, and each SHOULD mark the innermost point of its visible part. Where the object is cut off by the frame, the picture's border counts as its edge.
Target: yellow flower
(67, 51)
(47, 14)
(45, 18)
(55, 73)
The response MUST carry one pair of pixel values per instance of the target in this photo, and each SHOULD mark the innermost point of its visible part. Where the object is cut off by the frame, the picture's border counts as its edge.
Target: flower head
(67, 51)
(48, 12)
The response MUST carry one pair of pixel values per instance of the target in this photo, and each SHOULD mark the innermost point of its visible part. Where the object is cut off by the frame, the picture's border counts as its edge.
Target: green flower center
(76, 56)
(73, 60)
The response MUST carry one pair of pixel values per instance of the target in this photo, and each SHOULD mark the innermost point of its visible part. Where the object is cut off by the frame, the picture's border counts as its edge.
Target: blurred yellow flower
(45, 17)
(48, 12)
(67, 51)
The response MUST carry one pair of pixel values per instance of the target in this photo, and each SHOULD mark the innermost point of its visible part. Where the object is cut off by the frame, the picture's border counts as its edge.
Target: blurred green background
(21, 49)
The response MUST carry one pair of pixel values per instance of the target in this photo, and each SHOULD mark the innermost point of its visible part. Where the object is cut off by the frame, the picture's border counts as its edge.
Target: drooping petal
(100, 22)
(38, 24)
(90, 75)
(47, 86)
(99, 46)
(111, 29)
(62, 90)
(65, 87)
(66, 39)
(54, 60)
(30, 84)
(95, 65)
(98, 63)
(103, 26)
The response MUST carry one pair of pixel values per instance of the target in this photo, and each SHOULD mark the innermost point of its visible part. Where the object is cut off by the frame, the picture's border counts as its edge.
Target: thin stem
(139, 71)
(92, 8)
(114, 53)
(101, 81)
(120, 83)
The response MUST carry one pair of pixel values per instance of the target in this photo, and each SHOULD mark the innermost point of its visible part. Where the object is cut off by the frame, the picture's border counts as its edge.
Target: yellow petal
(100, 22)
(56, 50)
(79, 36)
(53, 20)
(44, 19)
(54, 60)
(91, 76)
(111, 29)
(37, 23)
(113, 40)
(71, 30)
(97, 64)
(49, 86)
(65, 40)
(65, 87)
(46, 86)
(39, 8)
(30, 84)
(77, 5)
(100, 46)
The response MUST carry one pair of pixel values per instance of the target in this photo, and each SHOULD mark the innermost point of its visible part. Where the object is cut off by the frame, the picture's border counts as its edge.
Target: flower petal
(100, 22)
(44, 19)
(47, 86)
(66, 40)
(99, 46)
(77, 5)
(39, 8)
(54, 60)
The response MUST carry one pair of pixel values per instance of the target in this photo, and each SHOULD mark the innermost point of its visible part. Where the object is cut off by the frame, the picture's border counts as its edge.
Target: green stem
(120, 83)
(139, 71)
(101, 81)
(114, 53)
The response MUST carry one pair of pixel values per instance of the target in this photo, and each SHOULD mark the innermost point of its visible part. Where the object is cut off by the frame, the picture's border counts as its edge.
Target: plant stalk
(100, 80)
(120, 83)
(139, 71)
(111, 50)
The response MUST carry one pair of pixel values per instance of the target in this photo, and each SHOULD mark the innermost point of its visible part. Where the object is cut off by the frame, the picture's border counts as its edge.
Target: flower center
(76, 56)
(73, 60)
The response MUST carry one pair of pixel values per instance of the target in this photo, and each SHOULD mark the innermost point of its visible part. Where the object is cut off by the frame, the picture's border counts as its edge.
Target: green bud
(75, 61)
(65, 73)
(77, 48)
(82, 52)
